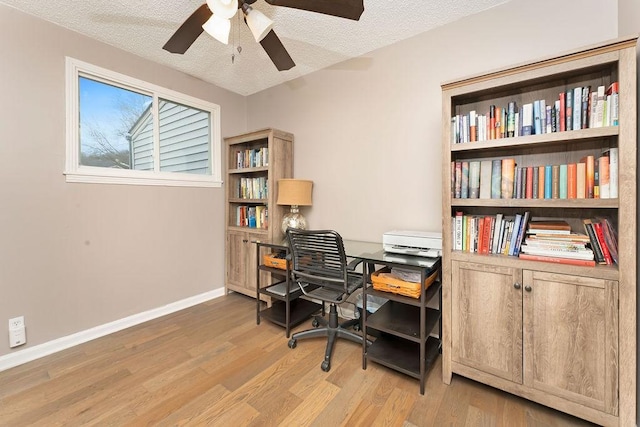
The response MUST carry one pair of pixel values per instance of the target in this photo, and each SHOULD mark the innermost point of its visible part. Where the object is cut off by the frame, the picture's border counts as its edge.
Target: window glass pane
(184, 138)
(110, 117)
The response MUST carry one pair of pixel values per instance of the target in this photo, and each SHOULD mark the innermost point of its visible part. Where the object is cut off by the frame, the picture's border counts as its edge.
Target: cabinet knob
(527, 288)
(245, 240)
(516, 285)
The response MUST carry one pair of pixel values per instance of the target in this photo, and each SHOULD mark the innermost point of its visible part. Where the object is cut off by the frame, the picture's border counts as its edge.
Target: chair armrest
(353, 264)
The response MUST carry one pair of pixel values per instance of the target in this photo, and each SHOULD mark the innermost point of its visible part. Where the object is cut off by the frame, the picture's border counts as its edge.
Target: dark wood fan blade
(276, 51)
(350, 9)
(189, 31)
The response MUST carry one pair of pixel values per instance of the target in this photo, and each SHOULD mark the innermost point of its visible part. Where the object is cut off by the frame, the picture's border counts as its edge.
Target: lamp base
(293, 219)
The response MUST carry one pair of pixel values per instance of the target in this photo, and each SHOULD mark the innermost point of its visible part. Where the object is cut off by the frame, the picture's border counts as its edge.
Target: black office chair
(319, 267)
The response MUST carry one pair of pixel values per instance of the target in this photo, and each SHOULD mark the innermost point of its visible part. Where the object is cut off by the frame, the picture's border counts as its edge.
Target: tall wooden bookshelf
(561, 335)
(255, 162)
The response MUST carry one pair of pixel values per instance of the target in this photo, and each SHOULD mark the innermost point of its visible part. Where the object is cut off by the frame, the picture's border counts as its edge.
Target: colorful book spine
(464, 192)
(613, 173)
(569, 109)
(548, 182)
(496, 178)
(529, 182)
(541, 180)
(508, 172)
(557, 260)
(458, 181)
(536, 182)
(485, 179)
(562, 111)
(555, 181)
(563, 182)
(590, 176)
(572, 181)
(604, 179)
(614, 107)
(581, 180)
(474, 179)
(577, 108)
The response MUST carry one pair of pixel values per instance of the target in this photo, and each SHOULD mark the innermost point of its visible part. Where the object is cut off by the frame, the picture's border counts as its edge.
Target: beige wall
(368, 130)
(75, 256)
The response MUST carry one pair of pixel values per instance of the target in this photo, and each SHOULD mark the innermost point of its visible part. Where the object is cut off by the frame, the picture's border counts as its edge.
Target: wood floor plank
(212, 365)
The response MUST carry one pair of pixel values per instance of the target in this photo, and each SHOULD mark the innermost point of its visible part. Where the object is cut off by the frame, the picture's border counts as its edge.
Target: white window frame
(75, 172)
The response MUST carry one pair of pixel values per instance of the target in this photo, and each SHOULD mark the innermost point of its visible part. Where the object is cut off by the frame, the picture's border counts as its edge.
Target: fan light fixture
(223, 8)
(218, 28)
(258, 23)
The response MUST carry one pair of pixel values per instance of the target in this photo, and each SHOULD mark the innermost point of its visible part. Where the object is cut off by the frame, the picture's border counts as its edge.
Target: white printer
(419, 243)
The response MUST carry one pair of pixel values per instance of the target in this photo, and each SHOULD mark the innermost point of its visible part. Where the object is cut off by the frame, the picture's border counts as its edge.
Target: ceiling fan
(214, 17)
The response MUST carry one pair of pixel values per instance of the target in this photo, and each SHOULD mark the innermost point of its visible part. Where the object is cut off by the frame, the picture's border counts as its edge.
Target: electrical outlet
(17, 332)
(16, 323)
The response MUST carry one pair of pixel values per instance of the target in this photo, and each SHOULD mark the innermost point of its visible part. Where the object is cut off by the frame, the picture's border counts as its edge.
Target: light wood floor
(212, 365)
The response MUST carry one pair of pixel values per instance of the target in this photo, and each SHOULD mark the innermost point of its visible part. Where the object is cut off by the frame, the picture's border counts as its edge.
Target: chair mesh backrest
(318, 257)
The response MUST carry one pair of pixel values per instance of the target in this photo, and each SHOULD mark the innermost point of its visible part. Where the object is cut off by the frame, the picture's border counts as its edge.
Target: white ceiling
(313, 40)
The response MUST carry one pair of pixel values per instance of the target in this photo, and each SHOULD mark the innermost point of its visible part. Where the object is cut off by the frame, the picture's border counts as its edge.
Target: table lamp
(294, 193)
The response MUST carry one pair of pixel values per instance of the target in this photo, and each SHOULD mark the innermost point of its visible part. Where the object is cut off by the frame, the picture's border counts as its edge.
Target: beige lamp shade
(294, 192)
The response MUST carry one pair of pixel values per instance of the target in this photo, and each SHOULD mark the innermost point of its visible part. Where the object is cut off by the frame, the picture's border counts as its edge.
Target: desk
(404, 323)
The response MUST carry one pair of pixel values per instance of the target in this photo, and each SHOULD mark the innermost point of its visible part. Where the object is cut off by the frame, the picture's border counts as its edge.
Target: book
(492, 122)
(551, 225)
(603, 177)
(485, 179)
(593, 103)
(457, 231)
(581, 180)
(597, 250)
(577, 108)
(555, 181)
(507, 180)
(569, 110)
(514, 234)
(563, 182)
(511, 119)
(464, 192)
(458, 180)
(486, 234)
(610, 238)
(600, 96)
(535, 182)
(496, 178)
(472, 126)
(572, 181)
(548, 181)
(474, 179)
(537, 121)
(528, 193)
(613, 172)
(527, 119)
(562, 111)
(589, 176)
(541, 181)
(584, 113)
(518, 184)
(496, 233)
(600, 236)
(614, 106)
(557, 260)
(521, 233)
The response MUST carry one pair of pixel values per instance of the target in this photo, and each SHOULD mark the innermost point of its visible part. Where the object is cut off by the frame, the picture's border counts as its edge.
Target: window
(125, 131)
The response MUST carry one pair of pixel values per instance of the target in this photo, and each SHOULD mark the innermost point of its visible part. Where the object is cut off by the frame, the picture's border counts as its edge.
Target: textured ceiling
(314, 41)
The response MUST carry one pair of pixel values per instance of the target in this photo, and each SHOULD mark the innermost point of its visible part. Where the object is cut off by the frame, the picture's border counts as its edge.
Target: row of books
(548, 241)
(252, 216)
(252, 188)
(489, 234)
(577, 108)
(553, 241)
(591, 178)
(252, 157)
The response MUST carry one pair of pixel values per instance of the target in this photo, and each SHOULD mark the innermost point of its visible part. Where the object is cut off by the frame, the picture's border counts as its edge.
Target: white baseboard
(32, 353)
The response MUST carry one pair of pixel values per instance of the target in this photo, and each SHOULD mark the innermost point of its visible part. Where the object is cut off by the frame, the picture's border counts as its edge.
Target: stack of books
(553, 241)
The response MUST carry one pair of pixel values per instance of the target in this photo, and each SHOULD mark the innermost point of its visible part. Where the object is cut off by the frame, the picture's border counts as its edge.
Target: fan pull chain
(233, 43)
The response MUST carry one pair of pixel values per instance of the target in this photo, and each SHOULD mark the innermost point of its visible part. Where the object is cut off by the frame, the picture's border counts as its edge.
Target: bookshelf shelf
(265, 156)
(520, 325)
(544, 139)
(538, 203)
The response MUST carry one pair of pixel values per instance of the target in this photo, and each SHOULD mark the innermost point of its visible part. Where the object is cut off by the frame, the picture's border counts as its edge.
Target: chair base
(332, 330)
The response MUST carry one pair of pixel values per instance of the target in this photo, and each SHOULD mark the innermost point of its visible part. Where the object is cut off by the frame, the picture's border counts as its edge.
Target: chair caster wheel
(315, 323)
(356, 327)
(325, 366)
(292, 343)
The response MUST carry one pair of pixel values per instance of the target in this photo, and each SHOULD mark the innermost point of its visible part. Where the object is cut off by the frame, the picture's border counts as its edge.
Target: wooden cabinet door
(238, 269)
(486, 319)
(570, 338)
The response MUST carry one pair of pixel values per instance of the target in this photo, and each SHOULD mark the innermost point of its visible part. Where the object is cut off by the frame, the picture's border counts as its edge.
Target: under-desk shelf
(401, 355)
(402, 320)
(300, 310)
